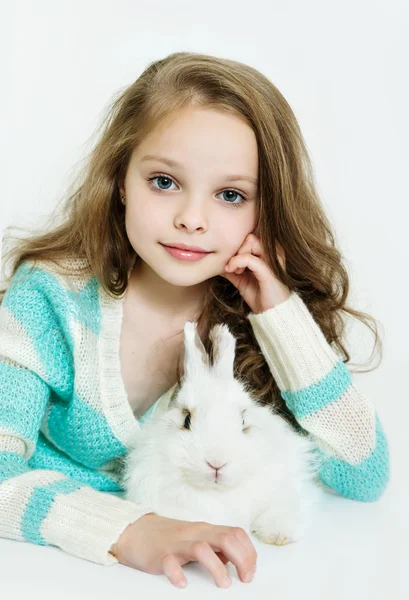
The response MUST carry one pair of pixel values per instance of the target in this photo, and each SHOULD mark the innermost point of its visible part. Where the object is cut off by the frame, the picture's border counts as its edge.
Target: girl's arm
(318, 389)
(45, 506)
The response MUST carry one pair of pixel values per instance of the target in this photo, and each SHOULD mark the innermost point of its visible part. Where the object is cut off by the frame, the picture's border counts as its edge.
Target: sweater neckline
(125, 425)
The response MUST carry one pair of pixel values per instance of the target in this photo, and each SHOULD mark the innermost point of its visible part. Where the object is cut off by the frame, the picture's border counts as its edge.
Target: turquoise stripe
(11, 465)
(51, 308)
(364, 482)
(330, 388)
(23, 398)
(39, 505)
(40, 304)
(75, 426)
(87, 300)
(47, 456)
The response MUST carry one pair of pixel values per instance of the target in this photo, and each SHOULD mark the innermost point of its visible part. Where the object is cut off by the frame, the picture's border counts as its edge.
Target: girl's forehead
(204, 123)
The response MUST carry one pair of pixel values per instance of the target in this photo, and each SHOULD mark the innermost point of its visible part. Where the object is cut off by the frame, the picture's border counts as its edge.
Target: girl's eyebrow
(175, 164)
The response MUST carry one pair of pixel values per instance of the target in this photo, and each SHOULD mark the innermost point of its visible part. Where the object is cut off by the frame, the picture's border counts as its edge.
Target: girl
(204, 154)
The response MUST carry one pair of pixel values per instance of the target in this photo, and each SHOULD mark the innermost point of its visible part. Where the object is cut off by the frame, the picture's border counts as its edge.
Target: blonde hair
(290, 211)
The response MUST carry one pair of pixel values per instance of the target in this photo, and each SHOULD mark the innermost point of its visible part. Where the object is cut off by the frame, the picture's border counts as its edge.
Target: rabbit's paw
(276, 540)
(271, 529)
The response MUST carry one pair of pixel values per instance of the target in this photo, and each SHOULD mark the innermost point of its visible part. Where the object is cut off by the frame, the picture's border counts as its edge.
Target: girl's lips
(185, 254)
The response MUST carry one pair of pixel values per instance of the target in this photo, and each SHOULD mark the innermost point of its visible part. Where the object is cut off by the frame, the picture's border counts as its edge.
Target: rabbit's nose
(216, 468)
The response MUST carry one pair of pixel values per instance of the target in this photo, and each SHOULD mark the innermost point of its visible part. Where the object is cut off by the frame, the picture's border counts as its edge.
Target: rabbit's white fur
(268, 484)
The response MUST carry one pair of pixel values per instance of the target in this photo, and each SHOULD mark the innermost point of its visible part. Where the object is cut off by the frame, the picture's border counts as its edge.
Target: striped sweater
(65, 419)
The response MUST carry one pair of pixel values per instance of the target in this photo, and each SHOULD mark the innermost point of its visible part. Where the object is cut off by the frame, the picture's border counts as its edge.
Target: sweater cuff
(86, 523)
(293, 344)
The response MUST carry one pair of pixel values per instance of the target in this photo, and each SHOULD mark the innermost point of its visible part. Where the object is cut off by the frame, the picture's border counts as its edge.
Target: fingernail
(226, 582)
(182, 583)
(250, 574)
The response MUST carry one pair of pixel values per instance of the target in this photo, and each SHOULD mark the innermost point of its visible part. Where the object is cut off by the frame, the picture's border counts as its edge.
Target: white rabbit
(212, 453)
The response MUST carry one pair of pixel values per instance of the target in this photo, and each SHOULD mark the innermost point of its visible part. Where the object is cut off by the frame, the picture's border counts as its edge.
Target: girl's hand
(255, 281)
(158, 545)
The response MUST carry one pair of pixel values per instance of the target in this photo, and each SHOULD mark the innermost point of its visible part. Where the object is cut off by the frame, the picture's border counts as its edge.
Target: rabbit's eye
(186, 423)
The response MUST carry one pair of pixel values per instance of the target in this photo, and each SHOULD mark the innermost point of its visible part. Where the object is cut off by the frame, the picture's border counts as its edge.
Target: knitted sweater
(65, 419)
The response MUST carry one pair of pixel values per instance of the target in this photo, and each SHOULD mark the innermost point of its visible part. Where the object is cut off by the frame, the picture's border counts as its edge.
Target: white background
(343, 68)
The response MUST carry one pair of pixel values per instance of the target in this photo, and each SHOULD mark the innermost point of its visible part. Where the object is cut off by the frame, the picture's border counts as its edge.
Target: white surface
(343, 69)
(355, 551)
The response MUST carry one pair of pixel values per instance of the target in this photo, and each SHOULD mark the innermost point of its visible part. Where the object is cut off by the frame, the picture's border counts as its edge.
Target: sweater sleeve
(44, 506)
(318, 389)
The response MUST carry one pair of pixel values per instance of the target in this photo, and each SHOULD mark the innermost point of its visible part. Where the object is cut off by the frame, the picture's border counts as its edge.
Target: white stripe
(86, 523)
(293, 344)
(345, 428)
(16, 347)
(15, 494)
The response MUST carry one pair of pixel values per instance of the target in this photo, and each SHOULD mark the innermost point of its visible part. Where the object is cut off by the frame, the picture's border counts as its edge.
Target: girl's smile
(188, 255)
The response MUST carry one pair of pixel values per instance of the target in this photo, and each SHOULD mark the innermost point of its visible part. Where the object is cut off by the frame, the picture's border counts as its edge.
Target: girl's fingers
(251, 245)
(173, 570)
(251, 262)
(203, 553)
(236, 545)
(222, 557)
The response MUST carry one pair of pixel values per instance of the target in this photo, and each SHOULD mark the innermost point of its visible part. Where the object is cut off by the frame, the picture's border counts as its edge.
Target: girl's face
(196, 195)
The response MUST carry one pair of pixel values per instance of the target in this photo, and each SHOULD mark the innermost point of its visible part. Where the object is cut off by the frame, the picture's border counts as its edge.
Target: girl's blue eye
(166, 177)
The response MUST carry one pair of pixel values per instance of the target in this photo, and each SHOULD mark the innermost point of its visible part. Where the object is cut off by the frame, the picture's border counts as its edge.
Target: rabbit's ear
(196, 358)
(224, 349)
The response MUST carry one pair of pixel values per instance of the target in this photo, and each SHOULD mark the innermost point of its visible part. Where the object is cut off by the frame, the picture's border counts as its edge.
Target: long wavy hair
(92, 224)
